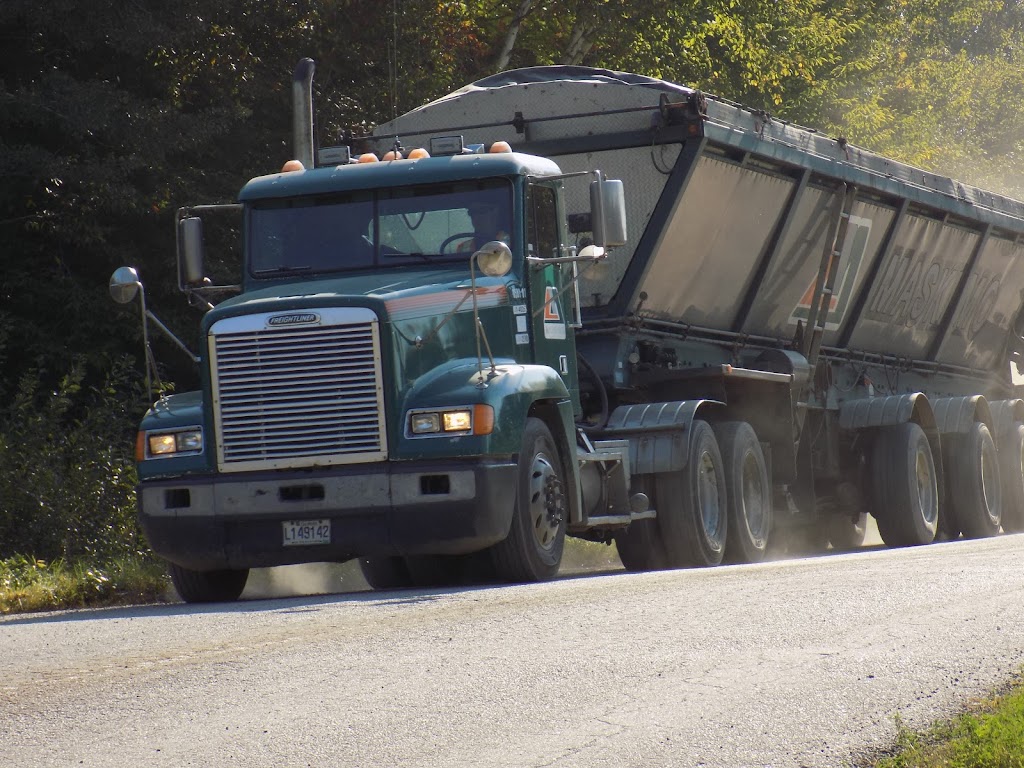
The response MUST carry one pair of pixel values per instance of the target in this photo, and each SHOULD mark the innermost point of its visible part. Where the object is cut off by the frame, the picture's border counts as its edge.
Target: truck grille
(297, 395)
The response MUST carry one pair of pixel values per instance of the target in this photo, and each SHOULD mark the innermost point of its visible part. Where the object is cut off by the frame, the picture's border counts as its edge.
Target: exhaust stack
(302, 111)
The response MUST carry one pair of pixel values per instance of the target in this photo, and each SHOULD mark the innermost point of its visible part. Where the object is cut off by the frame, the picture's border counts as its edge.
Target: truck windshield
(442, 223)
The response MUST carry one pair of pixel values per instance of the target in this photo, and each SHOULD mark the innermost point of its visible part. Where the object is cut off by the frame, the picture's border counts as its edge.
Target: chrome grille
(298, 395)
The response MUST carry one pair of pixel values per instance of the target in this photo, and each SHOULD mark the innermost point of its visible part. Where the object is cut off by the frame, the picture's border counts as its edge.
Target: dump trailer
(565, 301)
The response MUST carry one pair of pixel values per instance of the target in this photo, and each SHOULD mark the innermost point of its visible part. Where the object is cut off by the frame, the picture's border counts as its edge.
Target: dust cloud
(333, 578)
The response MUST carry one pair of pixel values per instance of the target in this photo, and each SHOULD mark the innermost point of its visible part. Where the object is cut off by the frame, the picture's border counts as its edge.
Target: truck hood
(405, 293)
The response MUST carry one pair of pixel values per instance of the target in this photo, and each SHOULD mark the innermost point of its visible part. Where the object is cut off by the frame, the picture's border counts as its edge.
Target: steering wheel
(460, 236)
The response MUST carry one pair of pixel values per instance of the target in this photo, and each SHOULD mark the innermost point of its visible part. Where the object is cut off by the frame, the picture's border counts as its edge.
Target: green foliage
(66, 475)
(992, 736)
(941, 88)
(27, 584)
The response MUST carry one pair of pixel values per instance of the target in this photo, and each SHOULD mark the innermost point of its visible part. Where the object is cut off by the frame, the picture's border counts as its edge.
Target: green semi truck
(665, 321)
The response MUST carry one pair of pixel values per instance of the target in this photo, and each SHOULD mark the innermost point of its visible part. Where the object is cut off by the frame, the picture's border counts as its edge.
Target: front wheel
(906, 493)
(385, 572)
(532, 551)
(221, 586)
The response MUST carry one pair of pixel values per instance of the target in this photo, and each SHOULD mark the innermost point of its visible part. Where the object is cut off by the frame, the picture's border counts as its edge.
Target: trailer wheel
(223, 586)
(693, 519)
(1011, 469)
(975, 493)
(639, 545)
(906, 493)
(532, 551)
(748, 492)
(385, 572)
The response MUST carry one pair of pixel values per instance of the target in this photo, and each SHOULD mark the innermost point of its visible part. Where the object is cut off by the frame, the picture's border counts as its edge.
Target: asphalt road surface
(792, 663)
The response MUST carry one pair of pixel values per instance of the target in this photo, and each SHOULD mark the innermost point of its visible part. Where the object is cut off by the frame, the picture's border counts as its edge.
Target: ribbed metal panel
(298, 395)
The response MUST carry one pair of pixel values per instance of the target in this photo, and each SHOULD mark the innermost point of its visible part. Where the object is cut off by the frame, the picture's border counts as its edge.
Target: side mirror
(124, 285)
(494, 258)
(608, 211)
(190, 239)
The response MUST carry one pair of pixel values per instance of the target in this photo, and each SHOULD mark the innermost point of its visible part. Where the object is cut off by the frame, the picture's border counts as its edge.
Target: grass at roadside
(990, 735)
(27, 584)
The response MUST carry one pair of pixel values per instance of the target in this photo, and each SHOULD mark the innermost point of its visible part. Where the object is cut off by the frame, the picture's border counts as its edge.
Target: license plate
(306, 532)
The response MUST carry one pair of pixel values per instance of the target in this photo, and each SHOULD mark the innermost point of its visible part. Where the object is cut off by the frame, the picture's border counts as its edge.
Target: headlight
(457, 421)
(171, 443)
(424, 423)
(476, 420)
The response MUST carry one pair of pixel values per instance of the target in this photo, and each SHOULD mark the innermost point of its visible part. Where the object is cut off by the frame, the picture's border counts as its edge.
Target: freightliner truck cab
(389, 382)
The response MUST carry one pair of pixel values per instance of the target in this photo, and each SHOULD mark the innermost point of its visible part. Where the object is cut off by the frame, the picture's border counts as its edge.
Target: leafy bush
(67, 476)
(27, 584)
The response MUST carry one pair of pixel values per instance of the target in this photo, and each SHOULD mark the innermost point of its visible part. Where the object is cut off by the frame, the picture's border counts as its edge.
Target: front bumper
(207, 522)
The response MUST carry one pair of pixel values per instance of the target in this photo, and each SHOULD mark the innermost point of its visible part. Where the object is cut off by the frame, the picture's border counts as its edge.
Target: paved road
(793, 663)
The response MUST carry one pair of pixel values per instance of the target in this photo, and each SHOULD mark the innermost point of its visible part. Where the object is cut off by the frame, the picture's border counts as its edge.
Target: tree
(943, 91)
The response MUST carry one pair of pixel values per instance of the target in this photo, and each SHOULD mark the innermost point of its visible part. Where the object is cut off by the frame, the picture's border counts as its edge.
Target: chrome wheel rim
(544, 502)
(708, 500)
(927, 493)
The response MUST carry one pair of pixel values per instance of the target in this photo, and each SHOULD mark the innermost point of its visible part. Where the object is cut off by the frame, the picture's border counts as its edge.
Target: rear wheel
(975, 493)
(222, 586)
(692, 514)
(532, 551)
(906, 493)
(748, 492)
(1011, 469)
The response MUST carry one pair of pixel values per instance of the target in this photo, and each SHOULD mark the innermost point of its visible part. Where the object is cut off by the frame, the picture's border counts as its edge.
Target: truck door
(551, 293)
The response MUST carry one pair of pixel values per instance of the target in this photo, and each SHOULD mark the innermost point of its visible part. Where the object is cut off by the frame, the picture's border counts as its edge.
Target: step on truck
(565, 301)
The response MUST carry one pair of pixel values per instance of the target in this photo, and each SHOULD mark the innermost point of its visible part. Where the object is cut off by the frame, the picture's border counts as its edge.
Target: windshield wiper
(427, 257)
(283, 270)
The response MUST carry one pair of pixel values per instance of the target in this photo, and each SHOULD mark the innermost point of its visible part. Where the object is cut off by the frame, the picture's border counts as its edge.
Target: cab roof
(395, 173)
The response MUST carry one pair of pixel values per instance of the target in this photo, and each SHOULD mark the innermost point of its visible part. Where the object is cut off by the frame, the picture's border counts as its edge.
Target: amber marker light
(483, 419)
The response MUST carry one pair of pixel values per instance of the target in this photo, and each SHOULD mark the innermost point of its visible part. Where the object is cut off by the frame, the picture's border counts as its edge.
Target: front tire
(906, 492)
(222, 586)
(385, 572)
(532, 551)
